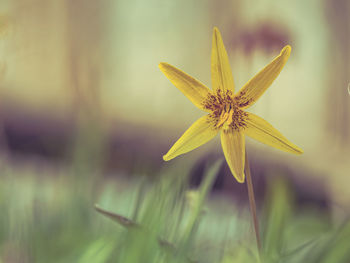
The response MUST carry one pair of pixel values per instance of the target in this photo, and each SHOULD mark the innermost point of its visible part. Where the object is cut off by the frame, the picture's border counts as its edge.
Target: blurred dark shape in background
(31, 135)
(308, 193)
(270, 37)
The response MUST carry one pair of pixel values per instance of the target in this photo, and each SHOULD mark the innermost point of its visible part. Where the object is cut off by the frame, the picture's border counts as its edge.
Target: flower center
(225, 112)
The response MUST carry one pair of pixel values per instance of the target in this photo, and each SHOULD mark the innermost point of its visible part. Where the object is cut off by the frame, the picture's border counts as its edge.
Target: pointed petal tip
(216, 32)
(162, 65)
(166, 158)
(286, 50)
(299, 151)
(240, 178)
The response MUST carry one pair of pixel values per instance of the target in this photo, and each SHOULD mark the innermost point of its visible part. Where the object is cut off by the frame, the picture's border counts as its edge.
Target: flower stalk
(252, 203)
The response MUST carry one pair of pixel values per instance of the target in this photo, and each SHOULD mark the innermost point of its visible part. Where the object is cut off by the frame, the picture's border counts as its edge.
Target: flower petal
(221, 74)
(233, 145)
(198, 134)
(256, 87)
(261, 130)
(193, 89)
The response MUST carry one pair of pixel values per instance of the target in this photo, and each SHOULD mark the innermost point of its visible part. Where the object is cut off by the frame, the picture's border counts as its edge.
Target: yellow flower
(225, 109)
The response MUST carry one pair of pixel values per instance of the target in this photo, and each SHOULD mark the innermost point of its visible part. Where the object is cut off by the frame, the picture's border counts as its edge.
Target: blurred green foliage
(49, 216)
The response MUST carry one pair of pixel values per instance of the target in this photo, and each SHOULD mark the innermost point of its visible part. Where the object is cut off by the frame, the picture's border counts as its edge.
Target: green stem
(252, 202)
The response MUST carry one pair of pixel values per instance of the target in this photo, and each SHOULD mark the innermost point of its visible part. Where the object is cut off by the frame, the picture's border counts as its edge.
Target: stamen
(225, 111)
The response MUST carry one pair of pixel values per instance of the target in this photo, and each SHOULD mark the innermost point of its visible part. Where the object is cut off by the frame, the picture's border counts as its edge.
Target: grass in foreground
(48, 216)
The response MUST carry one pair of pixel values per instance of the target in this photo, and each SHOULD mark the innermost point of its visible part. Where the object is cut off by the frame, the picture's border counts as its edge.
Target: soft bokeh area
(86, 116)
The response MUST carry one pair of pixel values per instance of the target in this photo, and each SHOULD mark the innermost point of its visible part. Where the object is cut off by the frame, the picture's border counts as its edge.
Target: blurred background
(86, 114)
